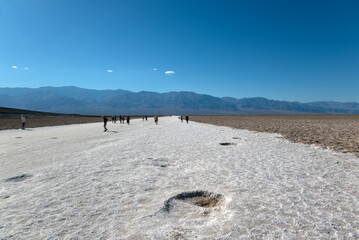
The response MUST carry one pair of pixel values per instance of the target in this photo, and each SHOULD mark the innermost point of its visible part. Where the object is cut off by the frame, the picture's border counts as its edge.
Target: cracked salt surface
(88, 184)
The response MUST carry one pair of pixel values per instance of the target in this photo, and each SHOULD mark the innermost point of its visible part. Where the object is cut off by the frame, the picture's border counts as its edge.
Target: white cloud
(26, 68)
(109, 70)
(14, 67)
(155, 69)
(169, 72)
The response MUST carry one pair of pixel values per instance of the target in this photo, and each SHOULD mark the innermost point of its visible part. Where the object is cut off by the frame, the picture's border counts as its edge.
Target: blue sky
(284, 50)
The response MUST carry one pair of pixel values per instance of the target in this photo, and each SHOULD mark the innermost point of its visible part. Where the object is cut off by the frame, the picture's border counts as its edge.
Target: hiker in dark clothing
(156, 120)
(105, 123)
(187, 118)
(128, 120)
(146, 117)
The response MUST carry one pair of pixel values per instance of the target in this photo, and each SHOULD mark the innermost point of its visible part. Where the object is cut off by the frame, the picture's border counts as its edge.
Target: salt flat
(77, 182)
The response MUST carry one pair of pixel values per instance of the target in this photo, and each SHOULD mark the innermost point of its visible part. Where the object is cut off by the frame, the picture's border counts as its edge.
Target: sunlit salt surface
(78, 182)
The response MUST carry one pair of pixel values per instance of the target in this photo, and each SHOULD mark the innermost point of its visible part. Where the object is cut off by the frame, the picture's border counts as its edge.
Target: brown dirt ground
(49, 121)
(42, 122)
(206, 202)
(338, 132)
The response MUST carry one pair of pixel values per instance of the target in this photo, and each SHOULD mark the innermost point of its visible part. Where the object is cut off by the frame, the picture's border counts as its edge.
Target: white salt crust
(78, 182)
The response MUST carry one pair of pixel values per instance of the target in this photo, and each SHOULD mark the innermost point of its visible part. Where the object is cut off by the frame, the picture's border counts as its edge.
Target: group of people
(122, 120)
(113, 118)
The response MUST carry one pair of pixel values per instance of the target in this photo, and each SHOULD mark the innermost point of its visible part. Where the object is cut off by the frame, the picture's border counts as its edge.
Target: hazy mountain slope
(267, 105)
(335, 107)
(98, 102)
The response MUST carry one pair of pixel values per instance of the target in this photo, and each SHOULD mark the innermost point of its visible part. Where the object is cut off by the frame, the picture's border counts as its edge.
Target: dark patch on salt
(19, 178)
(206, 213)
(198, 198)
(177, 236)
(18, 137)
(227, 144)
(160, 162)
(235, 137)
(54, 138)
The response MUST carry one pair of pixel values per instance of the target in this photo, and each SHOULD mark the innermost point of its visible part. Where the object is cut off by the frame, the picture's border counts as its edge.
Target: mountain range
(74, 100)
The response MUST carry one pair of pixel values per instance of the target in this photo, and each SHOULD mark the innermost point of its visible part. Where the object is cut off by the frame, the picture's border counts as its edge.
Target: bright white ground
(87, 184)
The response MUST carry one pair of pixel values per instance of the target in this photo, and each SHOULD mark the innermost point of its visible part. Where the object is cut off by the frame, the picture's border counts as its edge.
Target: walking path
(79, 182)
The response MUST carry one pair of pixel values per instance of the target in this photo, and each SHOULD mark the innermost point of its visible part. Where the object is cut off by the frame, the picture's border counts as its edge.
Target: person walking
(156, 120)
(128, 120)
(23, 121)
(105, 123)
(187, 118)
(181, 118)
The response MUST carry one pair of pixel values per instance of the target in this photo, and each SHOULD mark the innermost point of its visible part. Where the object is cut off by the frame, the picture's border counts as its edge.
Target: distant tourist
(23, 120)
(105, 123)
(146, 117)
(187, 118)
(114, 119)
(128, 120)
(156, 120)
(181, 118)
(143, 118)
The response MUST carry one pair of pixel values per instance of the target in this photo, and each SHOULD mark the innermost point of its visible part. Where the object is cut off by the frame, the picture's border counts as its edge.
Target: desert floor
(47, 121)
(338, 132)
(172, 181)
